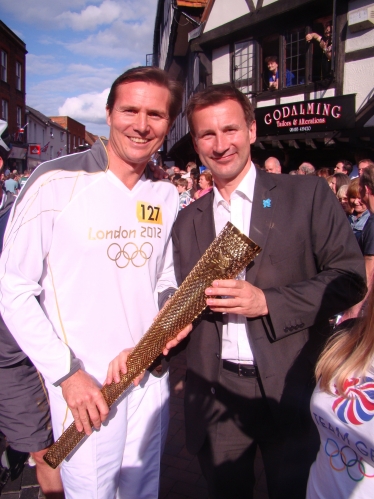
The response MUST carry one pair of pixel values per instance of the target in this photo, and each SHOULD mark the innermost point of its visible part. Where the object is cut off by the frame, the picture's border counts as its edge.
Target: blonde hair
(348, 353)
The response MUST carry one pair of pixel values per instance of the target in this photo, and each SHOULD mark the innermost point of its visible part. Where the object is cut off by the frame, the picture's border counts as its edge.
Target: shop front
(320, 131)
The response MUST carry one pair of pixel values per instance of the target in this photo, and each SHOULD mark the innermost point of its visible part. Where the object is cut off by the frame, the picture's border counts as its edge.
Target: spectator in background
(343, 199)
(293, 172)
(194, 174)
(11, 185)
(190, 165)
(343, 166)
(23, 179)
(272, 165)
(325, 41)
(190, 189)
(366, 241)
(205, 183)
(364, 163)
(338, 179)
(360, 213)
(184, 196)
(342, 402)
(306, 169)
(323, 172)
(273, 77)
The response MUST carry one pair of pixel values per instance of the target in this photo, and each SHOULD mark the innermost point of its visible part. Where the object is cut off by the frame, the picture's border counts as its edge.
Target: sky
(76, 49)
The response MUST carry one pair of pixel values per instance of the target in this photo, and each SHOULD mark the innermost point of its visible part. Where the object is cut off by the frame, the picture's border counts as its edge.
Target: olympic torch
(225, 258)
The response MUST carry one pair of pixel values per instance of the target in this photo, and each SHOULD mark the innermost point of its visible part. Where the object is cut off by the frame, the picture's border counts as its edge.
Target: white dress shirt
(235, 344)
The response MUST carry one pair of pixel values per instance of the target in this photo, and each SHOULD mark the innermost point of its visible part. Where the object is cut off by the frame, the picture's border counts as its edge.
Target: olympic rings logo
(349, 460)
(130, 253)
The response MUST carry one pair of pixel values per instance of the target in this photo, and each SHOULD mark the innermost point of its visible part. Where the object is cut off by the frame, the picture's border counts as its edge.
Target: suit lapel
(263, 210)
(204, 223)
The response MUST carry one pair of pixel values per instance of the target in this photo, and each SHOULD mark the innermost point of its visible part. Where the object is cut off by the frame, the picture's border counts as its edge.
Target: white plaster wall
(359, 80)
(361, 39)
(292, 98)
(266, 103)
(224, 11)
(321, 94)
(221, 65)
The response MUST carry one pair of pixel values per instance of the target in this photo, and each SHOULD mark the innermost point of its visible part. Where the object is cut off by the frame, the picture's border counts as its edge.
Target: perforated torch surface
(225, 258)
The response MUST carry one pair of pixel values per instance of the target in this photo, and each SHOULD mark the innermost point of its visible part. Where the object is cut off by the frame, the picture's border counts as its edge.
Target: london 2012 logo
(357, 404)
(130, 253)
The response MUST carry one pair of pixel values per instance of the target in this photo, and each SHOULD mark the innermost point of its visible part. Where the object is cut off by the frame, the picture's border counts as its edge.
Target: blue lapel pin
(266, 203)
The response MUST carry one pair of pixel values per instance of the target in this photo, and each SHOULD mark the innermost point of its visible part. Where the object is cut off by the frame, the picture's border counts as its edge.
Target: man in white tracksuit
(90, 236)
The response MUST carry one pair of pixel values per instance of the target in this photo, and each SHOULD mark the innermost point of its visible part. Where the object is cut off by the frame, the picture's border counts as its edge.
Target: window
(270, 54)
(4, 65)
(295, 50)
(35, 132)
(62, 136)
(51, 152)
(4, 109)
(18, 76)
(244, 66)
(284, 59)
(19, 117)
(51, 132)
(321, 51)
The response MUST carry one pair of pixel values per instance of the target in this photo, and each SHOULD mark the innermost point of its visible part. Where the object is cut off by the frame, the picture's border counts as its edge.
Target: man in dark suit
(250, 357)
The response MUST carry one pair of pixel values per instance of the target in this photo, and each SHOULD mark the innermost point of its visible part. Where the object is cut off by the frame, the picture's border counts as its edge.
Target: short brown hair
(367, 178)
(271, 58)
(216, 94)
(182, 182)
(368, 161)
(149, 74)
(208, 176)
(354, 188)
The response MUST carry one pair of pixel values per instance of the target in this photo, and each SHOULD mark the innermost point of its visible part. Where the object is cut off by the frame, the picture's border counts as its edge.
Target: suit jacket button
(213, 390)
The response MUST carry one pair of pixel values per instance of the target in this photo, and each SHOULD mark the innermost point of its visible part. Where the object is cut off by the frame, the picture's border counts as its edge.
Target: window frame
(247, 82)
(19, 116)
(4, 65)
(18, 76)
(4, 110)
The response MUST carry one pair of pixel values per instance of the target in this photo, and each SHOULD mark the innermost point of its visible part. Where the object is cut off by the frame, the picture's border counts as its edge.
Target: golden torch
(225, 258)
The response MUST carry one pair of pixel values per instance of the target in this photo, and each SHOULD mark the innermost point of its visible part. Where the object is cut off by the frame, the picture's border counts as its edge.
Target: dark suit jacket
(310, 268)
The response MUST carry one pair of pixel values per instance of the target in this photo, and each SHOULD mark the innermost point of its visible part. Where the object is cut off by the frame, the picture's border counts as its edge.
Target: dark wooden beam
(358, 55)
(267, 16)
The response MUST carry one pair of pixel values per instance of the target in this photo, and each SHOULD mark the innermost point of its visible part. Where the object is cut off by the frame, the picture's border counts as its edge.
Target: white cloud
(43, 64)
(126, 41)
(86, 107)
(91, 16)
(42, 12)
(77, 14)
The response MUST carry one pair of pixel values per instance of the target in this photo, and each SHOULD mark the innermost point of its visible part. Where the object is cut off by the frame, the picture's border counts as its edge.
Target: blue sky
(76, 48)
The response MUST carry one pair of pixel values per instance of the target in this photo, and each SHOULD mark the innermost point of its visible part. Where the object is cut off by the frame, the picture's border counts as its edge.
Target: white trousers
(122, 459)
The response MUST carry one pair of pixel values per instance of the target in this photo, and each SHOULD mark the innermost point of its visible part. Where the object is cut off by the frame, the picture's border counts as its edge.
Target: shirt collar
(245, 188)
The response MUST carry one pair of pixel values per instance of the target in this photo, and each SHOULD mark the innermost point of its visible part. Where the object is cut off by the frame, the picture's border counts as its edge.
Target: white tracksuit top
(95, 252)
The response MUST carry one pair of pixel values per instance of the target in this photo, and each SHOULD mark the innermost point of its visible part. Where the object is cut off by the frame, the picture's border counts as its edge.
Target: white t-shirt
(97, 253)
(344, 467)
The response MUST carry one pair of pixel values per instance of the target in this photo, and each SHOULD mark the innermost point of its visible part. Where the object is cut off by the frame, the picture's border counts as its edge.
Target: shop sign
(319, 115)
(17, 153)
(35, 149)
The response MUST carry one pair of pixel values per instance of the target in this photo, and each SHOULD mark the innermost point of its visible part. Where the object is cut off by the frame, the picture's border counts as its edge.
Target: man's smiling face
(138, 122)
(223, 140)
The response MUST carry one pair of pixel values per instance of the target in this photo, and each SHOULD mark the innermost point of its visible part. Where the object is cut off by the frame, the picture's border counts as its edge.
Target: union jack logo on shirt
(357, 405)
